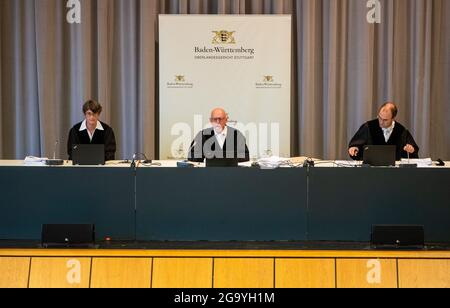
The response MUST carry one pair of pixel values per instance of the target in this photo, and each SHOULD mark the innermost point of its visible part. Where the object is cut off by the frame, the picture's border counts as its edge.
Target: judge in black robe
(92, 131)
(220, 141)
(373, 133)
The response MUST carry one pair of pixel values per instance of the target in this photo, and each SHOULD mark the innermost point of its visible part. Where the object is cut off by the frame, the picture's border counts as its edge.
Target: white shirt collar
(84, 127)
(91, 135)
(388, 131)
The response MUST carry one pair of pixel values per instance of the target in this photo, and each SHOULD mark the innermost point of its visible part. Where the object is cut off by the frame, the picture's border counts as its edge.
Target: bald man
(219, 141)
(384, 131)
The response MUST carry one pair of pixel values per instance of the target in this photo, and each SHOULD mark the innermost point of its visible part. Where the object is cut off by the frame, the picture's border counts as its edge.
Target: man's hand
(353, 151)
(409, 148)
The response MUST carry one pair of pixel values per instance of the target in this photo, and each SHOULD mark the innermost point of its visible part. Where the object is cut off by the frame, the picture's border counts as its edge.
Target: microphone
(309, 162)
(54, 161)
(408, 164)
(440, 163)
(145, 162)
(133, 161)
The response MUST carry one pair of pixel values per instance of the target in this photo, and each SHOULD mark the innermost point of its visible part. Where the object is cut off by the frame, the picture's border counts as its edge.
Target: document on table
(421, 163)
(34, 161)
(348, 163)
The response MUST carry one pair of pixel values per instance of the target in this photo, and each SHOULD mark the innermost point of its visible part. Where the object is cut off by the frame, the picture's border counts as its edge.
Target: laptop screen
(379, 155)
(222, 162)
(88, 154)
(222, 159)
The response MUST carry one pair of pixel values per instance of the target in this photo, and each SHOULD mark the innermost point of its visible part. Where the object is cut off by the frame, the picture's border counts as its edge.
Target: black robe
(105, 137)
(205, 145)
(372, 134)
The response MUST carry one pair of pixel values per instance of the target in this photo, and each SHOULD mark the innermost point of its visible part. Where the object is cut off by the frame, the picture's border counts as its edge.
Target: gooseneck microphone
(133, 162)
(405, 142)
(54, 150)
(54, 161)
(145, 162)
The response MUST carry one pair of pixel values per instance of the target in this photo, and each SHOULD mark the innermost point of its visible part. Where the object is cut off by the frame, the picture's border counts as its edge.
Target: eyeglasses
(216, 119)
(91, 114)
(383, 120)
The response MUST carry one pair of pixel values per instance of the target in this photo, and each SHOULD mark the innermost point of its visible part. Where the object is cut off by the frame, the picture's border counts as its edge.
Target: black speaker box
(66, 235)
(398, 236)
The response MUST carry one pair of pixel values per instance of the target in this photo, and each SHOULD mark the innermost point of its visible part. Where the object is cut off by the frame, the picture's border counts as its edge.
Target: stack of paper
(348, 163)
(34, 161)
(421, 163)
(272, 162)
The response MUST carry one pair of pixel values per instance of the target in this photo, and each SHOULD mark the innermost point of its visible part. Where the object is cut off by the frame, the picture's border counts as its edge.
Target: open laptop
(88, 154)
(222, 162)
(221, 159)
(379, 155)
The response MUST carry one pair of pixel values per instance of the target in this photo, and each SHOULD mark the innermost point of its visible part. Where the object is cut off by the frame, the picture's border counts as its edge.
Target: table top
(173, 164)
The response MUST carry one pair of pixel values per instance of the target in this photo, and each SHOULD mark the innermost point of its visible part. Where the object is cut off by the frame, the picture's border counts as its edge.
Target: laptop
(221, 159)
(88, 154)
(379, 155)
(222, 162)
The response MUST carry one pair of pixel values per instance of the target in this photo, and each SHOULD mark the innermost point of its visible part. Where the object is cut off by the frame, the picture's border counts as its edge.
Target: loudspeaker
(398, 236)
(65, 235)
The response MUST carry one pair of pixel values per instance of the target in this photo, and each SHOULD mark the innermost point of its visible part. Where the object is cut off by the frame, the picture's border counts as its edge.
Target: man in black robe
(384, 131)
(92, 131)
(219, 141)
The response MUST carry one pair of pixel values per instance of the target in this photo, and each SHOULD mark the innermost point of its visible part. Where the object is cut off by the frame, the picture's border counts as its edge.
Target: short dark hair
(393, 107)
(92, 105)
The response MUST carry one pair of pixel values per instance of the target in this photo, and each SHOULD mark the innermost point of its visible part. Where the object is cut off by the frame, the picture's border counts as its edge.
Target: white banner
(239, 63)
